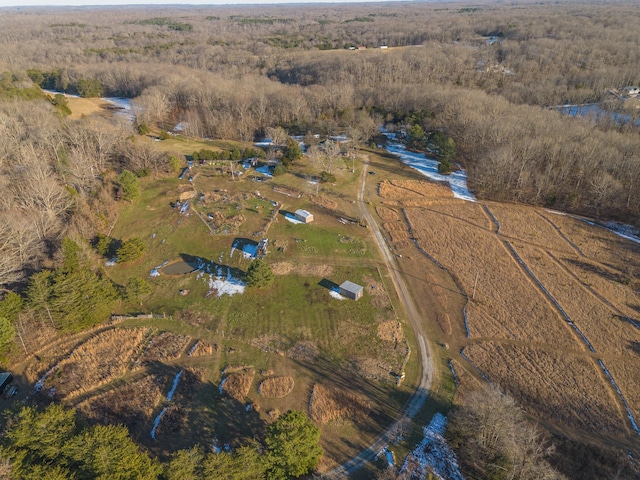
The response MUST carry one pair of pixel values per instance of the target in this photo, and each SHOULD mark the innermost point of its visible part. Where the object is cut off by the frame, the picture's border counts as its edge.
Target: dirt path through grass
(418, 398)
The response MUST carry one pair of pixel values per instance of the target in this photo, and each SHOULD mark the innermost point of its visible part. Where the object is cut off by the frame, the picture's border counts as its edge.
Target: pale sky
(24, 3)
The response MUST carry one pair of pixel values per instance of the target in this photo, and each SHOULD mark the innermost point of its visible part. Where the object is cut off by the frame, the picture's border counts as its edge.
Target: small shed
(5, 379)
(351, 290)
(303, 216)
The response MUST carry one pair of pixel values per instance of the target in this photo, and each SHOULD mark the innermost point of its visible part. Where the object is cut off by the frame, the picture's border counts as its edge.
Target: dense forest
(485, 75)
(476, 84)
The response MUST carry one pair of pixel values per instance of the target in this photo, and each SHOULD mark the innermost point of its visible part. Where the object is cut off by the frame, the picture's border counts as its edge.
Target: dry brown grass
(95, 362)
(607, 282)
(379, 296)
(524, 223)
(372, 368)
(163, 347)
(626, 373)
(390, 331)
(304, 351)
(470, 212)
(276, 387)
(132, 404)
(387, 214)
(201, 348)
(237, 385)
(411, 189)
(507, 304)
(288, 268)
(330, 404)
(324, 202)
(599, 323)
(173, 421)
(552, 385)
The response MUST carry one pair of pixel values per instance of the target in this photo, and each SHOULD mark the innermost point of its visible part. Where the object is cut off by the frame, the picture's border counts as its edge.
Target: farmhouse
(351, 290)
(303, 216)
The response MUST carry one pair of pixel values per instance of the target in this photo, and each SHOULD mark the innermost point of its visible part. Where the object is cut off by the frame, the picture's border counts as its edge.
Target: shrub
(130, 250)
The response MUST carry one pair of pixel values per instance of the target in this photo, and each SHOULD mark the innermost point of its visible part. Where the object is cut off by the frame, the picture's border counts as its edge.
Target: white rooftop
(351, 287)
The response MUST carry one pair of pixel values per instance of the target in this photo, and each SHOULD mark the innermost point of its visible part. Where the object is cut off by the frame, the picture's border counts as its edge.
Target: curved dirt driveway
(418, 398)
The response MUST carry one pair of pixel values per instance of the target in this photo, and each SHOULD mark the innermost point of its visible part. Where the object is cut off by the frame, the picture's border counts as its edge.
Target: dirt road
(417, 400)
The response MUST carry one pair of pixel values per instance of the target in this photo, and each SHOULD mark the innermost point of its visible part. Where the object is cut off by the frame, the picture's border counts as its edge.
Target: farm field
(220, 361)
(542, 305)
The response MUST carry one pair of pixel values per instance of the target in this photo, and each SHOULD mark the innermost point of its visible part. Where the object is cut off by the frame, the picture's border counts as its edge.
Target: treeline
(53, 444)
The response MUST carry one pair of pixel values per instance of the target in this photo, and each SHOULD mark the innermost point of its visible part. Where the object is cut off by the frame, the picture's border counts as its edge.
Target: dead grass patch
(288, 268)
(174, 420)
(270, 343)
(372, 368)
(387, 214)
(524, 223)
(163, 347)
(95, 362)
(304, 351)
(390, 331)
(408, 189)
(507, 304)
(608, 283)
(379, 297)
(190, 383)
(470, 212)
(276, 387)
(626, 373)
(324, 202)
(602, 327)
(131, 404)
(445, 322)
(202, 348)
(237, 385)
(554, 386)
(329, 404)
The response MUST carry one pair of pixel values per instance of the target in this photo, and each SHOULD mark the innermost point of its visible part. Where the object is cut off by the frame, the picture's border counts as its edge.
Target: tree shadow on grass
(329, 285)
(207, 266)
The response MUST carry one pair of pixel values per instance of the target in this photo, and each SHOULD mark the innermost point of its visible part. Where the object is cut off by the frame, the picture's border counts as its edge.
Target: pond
(181, 267)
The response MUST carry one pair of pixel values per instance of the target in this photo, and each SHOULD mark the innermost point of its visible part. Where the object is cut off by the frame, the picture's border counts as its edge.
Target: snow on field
(226, 285)
(266, 142)
(123, 105)
(336, 295)
(429, 168)
(248, 250)
(111, 262)
(621, 229)
(156, 422)
(221, 386)
(292, 218)
(624, 231)
(155, 271)
(433, 454)
(388, 454)
(176, 380)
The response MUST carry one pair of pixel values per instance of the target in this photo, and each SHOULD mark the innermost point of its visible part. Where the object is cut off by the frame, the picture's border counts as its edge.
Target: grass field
(515, 277)
(283, 340)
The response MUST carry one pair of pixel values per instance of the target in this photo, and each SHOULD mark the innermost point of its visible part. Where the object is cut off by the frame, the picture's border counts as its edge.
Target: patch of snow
(292, 218)
(111, 262)
(624, 231)
(176, 380)
(181, 127)
(193, 349)
(388, 454)
(247, 407)
(156, 422)
(214, 444)
(433, 454)
(123, 105)
(336, 295)
(266, 142)
(429, 168)
(624, 400)
(40, 383)
(155, 271)
(221, 386)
